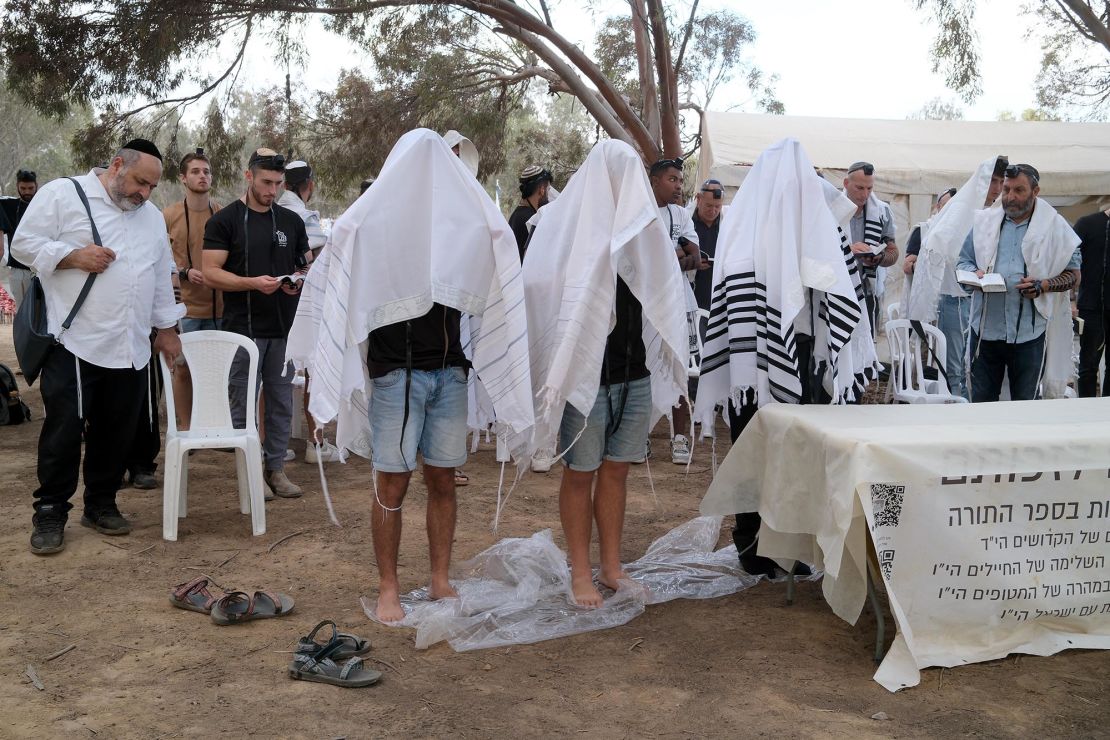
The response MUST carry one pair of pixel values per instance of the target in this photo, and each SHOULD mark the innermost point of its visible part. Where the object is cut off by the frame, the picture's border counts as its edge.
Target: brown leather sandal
(193, 595)
(238, 606)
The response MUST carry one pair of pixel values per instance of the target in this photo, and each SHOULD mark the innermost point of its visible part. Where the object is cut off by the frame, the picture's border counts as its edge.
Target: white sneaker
(680, 450)
(543, 460)
(290, 455)
(328, 453)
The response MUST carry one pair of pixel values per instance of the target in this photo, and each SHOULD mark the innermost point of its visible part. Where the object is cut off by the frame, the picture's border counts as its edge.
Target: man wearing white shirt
(94, 384)
(666, 183)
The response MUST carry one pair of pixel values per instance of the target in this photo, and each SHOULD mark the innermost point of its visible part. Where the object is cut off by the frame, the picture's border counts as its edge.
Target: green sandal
(319, 666)
(349, 645)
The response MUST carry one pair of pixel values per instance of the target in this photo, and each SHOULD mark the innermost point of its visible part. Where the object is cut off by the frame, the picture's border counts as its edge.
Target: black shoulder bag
(31, 333)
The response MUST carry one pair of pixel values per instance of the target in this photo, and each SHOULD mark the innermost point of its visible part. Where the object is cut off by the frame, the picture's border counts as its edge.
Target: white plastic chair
(209, 354)
(907, 377)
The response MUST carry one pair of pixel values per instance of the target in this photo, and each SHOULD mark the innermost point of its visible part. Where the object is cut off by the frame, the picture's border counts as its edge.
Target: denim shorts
(188, 325)
(437, 419)
(626, 443)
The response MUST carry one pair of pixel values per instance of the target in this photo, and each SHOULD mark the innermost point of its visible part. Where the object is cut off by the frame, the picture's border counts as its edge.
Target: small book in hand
(991, 282)
(291, 279)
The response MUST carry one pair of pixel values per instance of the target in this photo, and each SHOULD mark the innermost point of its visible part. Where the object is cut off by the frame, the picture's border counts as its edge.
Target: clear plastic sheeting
(519, 592)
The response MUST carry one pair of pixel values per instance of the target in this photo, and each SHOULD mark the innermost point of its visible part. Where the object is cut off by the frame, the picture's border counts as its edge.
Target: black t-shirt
(11, 211)
(1094, 288)
(913, 244)
(435, 343)
(278, 243)
(625, 354)
(518, 222)
(703, 280)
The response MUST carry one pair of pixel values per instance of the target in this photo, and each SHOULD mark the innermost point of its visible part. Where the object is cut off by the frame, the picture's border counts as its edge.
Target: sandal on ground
(348, 645)
(193, 595)
(238, 606)
(321, 668)
(461, 478)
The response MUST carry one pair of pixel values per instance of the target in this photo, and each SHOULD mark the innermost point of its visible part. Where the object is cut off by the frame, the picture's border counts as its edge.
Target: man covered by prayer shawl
(934, 293)
(781, 238)
(609, 347)
(381, 272)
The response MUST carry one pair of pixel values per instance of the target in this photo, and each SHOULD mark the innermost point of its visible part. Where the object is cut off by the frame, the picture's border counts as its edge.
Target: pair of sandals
(233, 607)
(335, 661)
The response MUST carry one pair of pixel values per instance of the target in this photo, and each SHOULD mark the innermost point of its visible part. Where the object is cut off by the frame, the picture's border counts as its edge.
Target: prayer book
(991, 282)
(292, 279)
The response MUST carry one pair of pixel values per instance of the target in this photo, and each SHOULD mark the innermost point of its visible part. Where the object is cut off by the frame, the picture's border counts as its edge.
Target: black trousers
(747, 524)
(1091, 346)
(110, 400)
(148, 437)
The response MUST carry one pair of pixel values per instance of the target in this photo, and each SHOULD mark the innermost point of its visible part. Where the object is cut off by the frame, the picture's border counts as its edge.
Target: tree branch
(685, 38)
(1090, 21)
(648, 90)
(668, 86)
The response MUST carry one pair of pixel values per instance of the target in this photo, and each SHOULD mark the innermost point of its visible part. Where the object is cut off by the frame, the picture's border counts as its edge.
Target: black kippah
(144, 146)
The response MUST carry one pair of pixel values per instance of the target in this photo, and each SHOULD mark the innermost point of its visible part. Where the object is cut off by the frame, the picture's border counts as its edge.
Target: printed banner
(978, 567)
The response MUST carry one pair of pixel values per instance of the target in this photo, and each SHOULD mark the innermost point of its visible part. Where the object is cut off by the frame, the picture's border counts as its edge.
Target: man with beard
(94, 382)
(26, 183)
(1035, 251)
(534, 184)
(185, 221)
(253, 250)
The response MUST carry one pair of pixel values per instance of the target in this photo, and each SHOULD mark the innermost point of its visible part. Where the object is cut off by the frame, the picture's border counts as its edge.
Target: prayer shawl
(605, 224)
(386, 263)
(1047, 247)
(779, 237)
(468, 153)
(942, 237)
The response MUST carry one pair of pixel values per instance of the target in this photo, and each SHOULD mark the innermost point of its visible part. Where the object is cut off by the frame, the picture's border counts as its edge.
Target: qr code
(886, 562)
(886, 500)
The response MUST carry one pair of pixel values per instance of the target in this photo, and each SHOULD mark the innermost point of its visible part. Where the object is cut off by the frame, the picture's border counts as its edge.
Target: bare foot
(442, 590)
(389, 606)
(611, 578)
(585, 594)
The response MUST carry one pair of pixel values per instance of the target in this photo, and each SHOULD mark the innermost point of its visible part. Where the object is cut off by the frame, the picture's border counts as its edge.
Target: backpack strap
(920, 331)
(92, 275)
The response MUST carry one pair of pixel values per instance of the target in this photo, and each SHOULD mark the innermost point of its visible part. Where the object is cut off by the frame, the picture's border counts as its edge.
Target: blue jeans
(598, 441)
(436, 425)
(188, 325)
(1021, 361)
(952, 319)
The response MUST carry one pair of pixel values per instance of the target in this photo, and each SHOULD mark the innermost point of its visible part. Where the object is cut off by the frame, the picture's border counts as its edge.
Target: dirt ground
(742, 666)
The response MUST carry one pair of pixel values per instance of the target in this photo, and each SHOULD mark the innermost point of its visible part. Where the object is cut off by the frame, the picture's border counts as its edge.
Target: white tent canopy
(915, 160)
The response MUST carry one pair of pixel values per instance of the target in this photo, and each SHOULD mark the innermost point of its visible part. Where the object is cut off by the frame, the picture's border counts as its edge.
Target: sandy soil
(742, 666)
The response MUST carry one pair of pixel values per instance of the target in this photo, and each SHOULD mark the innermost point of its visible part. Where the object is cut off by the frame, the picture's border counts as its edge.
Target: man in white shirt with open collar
(94, 384)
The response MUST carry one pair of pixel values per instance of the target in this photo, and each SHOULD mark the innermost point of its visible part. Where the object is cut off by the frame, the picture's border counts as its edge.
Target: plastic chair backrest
(907, 369)
(209, 355)
(893, 312)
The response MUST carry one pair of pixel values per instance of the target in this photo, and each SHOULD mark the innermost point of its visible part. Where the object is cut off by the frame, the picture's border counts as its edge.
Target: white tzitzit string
(316, 438)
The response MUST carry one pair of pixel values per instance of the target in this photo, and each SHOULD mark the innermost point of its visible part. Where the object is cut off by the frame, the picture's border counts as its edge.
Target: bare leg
(576, 513)
(441, 527)
(183, 395)
(386, 526)
(609, 500)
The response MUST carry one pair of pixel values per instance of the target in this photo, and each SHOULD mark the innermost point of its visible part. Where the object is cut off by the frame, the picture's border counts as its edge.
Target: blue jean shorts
(436, 425)
(625, 443)
(188, 325)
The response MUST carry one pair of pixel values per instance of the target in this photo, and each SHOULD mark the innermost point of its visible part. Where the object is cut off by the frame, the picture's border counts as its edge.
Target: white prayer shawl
(468, 153)
(942, 237)
(1047, 247)
(605, 224)
(779, 237)
(386, 263)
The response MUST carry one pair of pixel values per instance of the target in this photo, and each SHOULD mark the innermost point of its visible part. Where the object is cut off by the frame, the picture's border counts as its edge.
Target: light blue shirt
(1007, 317)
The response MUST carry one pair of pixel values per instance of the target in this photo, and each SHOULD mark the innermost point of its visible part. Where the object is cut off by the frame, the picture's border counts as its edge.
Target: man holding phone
(249, 246)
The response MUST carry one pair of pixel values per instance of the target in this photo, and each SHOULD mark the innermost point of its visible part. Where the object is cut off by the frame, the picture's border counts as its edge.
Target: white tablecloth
(800, 467)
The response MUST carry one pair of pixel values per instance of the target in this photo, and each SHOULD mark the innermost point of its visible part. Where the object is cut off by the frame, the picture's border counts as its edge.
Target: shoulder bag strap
(92, 276)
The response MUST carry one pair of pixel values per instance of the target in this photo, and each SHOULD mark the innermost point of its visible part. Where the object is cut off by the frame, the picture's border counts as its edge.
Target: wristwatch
(183, 275)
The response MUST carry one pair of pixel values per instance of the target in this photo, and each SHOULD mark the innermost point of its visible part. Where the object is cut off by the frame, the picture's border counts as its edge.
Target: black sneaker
(144, 481)
(755, 565)
(109, 522)
(48, 535)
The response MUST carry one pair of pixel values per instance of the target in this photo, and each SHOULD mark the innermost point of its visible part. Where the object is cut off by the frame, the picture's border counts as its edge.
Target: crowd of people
(570, 324)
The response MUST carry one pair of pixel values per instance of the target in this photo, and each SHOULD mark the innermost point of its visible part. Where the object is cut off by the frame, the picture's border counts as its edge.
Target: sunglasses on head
(949, 192)
(866, 167)
(666, 164)
(716, 192)
(268, 160)
(1024, 169)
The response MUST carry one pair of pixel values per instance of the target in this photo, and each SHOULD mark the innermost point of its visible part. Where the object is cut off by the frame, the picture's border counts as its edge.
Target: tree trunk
(668, 82)
(648, 89)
